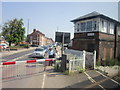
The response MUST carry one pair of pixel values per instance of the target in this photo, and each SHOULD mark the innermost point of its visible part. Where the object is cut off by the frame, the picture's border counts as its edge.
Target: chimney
(34, 30)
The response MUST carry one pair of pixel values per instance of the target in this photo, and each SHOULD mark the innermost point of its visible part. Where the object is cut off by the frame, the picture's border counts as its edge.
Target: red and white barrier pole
(28, 61)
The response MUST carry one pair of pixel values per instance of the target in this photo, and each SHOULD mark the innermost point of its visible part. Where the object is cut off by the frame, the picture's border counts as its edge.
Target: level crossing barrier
(20, 69)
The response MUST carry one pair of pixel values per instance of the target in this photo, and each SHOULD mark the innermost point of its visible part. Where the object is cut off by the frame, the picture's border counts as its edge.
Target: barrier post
(63, 62)
(94, 59)
(84, 54)
(69, 65)
(44, 65)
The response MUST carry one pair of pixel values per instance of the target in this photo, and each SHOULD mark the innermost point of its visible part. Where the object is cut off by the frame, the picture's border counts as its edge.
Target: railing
(80, 60)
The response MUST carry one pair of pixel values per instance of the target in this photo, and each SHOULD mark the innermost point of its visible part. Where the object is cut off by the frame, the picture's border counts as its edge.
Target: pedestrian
(56, 53)
(51, 55)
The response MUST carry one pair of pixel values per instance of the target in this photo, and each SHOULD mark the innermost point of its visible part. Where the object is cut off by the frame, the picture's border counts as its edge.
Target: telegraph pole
(28, 27)
(63, 43)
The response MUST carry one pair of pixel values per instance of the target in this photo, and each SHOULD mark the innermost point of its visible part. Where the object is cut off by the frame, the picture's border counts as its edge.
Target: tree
(13, 31)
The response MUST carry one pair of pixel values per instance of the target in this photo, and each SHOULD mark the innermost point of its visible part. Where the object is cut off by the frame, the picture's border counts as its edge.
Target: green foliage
(80, 70)
(25, 45)
(57, 68)
(66, 72)
(111, 62)
(97, 63)
(20, 46)
(27, 39)
(16, 47)
(69, 73)
(13, 31)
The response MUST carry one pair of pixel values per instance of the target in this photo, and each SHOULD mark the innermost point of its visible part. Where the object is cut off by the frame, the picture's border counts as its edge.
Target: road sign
(59, 37)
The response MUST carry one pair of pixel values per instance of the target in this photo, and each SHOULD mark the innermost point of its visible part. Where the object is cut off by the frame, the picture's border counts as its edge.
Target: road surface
(51, 79)
(34, 76)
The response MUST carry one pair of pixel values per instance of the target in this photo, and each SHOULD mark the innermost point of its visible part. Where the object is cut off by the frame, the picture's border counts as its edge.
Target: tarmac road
(52, 79)
(15, 56)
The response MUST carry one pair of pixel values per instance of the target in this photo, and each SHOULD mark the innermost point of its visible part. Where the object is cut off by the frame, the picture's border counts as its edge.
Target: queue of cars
(41, 51)
(38, 52)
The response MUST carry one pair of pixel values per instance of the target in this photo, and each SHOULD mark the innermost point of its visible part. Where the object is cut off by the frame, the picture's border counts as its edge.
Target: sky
(49, 17)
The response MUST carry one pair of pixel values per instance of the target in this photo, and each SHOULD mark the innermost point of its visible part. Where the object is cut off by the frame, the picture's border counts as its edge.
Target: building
(37, 38)
(49, 41)
(96, 31)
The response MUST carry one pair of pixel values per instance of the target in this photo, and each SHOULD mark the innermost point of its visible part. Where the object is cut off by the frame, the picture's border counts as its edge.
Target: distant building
(38, 38)
(96, 31)
(49, 40)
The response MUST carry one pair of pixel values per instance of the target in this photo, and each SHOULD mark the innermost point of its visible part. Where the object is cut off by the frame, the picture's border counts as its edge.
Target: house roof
(36, 31)
(40, 33)
(94, 15)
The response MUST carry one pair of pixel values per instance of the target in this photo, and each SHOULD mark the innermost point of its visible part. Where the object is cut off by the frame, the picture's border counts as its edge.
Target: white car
(39, 52)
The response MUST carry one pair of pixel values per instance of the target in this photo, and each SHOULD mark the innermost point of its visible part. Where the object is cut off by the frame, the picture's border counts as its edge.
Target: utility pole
(119, 11)
(28, 27)
(63, 43)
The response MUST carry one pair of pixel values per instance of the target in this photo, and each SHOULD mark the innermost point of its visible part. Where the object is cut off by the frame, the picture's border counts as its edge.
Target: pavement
(57, 80)
(110, 71)
(4, 53)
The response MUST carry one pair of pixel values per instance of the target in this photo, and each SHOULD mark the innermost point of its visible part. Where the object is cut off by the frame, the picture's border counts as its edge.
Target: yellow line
(93, 81)
(109, 78)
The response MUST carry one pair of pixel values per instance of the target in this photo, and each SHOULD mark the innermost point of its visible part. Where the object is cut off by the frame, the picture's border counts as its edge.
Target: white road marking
(107, 77)
(43, 83)
(93, 81)
(20, 57)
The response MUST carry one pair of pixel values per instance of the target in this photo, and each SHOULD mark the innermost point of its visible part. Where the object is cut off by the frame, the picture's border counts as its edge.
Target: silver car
(39, 52)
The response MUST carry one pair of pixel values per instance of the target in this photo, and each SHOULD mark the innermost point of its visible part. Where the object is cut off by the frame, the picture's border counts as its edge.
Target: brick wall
(109, 37)
(106, 50)
(101, 42)
(86, 35)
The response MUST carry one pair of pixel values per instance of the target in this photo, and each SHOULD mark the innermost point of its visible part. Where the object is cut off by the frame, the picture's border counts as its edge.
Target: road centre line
(93, 81)
(108, 77)
(43, 83)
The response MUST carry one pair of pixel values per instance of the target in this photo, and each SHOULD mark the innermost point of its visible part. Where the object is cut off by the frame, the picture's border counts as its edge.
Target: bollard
(63, 63)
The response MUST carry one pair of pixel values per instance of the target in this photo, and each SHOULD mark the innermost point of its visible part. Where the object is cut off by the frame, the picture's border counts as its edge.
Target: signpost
(62, 37)
(59, 36)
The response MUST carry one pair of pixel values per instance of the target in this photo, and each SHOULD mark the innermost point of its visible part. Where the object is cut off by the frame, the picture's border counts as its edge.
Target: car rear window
(39, 49)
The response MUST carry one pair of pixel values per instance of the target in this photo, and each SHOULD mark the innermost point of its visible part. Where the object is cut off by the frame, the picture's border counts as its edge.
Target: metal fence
(76, 60)
(80, 60)
(21, 69)
(10, 72)
(90, 60)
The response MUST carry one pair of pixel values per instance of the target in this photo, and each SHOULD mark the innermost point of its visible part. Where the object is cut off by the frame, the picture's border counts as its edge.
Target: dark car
(34, 45)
